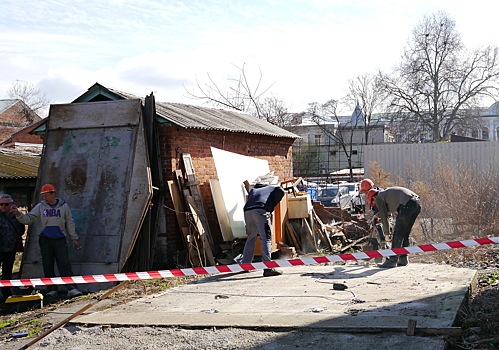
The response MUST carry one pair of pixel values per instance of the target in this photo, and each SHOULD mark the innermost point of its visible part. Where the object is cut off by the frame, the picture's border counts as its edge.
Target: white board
(232, 170)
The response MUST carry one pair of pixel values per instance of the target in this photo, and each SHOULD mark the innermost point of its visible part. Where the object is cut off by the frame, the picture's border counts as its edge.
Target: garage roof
(16, 166)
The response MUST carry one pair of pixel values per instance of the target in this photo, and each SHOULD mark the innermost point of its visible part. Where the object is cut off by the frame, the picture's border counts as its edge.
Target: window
(317, 140)
(497, 133)
(474, 133)
(485, 133)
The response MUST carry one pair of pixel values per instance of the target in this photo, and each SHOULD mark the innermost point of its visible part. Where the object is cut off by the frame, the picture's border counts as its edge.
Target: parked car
(335, 196)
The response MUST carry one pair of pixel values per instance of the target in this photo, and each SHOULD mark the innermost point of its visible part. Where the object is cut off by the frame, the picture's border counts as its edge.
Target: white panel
(232, 170)
(223, 218)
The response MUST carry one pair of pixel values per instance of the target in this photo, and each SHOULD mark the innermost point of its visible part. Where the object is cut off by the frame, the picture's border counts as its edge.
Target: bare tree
(437, 80)
(274, 110)
(34, 100)
(367, 94)
(306, 160)
(245, 95)
(342, 134)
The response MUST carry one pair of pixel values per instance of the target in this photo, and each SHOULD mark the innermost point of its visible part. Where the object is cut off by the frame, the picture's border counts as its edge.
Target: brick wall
(175, 140)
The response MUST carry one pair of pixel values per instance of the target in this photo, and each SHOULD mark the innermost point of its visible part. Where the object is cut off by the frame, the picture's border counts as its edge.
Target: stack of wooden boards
(191, 216)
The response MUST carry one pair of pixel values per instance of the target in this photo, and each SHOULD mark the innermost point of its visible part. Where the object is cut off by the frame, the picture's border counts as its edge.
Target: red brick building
(23, 139)
(14, 116)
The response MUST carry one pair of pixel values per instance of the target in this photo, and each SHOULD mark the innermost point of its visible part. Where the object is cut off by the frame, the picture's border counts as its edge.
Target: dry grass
(460, 203)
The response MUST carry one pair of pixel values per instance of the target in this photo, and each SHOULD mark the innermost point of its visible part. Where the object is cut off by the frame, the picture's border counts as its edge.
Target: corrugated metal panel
(188, 116)
(15, 166)
(404, 159)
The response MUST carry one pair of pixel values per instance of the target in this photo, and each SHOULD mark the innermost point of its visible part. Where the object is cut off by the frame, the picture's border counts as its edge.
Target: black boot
(389, 262)
(403, 260)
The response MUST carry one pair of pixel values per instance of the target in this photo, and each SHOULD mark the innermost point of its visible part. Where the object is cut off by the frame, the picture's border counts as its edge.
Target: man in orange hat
(55, 222)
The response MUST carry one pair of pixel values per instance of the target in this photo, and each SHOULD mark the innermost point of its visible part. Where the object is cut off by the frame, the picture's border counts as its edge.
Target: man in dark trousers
(407, 205)
(10, 239)
(258, 210)
(56, 225)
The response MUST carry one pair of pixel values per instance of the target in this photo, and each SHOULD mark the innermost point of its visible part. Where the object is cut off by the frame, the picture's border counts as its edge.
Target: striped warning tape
(130, 276)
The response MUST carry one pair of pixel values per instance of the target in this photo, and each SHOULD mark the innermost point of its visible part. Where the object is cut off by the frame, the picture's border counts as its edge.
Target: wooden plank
(182, 222)
(194, 246)
(178, 204)
(308, 234)
(411, 327)
(291, 234)
(280, 218)
(454, 332)
(196, 195)
(206, 251)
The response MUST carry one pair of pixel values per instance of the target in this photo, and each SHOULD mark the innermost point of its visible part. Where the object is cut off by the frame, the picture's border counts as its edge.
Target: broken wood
(321, 230)
(352, 244)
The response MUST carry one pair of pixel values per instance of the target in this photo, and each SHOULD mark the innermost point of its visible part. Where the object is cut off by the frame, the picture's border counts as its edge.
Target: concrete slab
(303, 297)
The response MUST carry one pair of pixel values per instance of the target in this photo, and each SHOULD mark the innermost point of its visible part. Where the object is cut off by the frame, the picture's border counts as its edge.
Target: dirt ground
(479, 318)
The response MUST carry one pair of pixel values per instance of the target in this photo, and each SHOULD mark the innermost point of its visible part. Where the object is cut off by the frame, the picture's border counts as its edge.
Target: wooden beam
(180, 211)
(205, 249)
(291, 234)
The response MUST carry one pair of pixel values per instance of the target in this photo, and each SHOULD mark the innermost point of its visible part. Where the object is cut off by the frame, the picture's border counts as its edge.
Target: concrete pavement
(303, 297)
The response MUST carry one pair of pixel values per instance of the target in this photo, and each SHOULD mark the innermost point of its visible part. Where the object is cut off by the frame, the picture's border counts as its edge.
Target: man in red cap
(55, 223)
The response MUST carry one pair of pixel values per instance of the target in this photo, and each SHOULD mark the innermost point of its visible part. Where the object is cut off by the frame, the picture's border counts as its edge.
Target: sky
(304, 50)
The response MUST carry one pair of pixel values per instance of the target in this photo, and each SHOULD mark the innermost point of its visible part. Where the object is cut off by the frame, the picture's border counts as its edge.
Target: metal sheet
(404, 160)
(95, 155)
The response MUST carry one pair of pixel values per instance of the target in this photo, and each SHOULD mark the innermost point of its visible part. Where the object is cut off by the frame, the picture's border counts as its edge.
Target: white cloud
(309, 49)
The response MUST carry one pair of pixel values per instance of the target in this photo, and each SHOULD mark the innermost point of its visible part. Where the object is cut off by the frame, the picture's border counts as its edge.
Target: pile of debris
(301, 225)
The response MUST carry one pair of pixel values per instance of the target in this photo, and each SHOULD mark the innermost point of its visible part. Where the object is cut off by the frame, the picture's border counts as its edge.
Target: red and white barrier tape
(130, 276)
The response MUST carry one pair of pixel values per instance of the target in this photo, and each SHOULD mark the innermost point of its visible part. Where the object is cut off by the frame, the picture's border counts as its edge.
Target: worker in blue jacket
(258, 210)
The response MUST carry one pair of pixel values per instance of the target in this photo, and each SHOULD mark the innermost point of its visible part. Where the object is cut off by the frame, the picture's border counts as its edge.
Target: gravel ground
(98, 338)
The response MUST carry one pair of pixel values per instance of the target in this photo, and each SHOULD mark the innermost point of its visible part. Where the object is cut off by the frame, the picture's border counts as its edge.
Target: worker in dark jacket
(11, 232)
(258, 210)
(407, 205)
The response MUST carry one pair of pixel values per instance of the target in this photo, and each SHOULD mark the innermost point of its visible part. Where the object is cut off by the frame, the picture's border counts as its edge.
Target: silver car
(335, 196)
